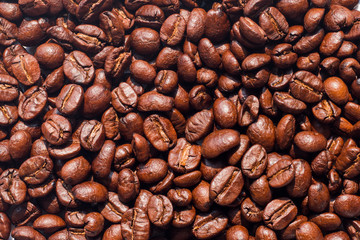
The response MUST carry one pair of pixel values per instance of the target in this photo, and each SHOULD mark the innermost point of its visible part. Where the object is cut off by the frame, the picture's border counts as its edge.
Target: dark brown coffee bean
(56, 129)
(26, 69)
(262, 132)
(75, 170)
(208, 54)
(281, 173)
(123, 98)
(225, 113)
(128, 185)
(279, 213)
(110, 120)
(154, 101)
(226, 186)
(50, 55)
(32, 103)
(49, 223)
(160, 210)
(5, 226)
(160, 132)
(305, 86)
(195, 27)
(129, 124)
(173, 29)
(149, 16)
(20, 145)
(78, 68)
(116, 62)
(153, 171)
(208, 225)
(92, 135)
(70, 99)
(135, 224)
(8, 114)
(145, 41)
(113, 209)
(288, 104)
(273, 23)
(309, 42)
(184, 157)
(13, 189)
(8, 88)
(254, 162)
(26, 232)
(90, 192)
(346, 205)
(310, 141)
(338, 17)
(166, 81)
(36, 170)
(89, 10)
(110, 24)
(308, 230)
(217, 24)
(219, 142)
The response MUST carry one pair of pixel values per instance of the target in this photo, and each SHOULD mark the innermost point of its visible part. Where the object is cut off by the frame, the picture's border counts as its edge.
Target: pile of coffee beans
(179, 119)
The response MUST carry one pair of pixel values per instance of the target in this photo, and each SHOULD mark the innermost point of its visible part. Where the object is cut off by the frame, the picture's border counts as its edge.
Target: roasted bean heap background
(179, 119)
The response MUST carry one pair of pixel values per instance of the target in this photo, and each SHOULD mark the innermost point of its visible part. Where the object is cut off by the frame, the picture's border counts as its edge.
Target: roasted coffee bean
(36, 170)
(8, 88)
(26, 232)
(145, 41)
(160, 210)
(219, 142)
(262, 132)
(308, 230)
(153, 101)
(306, 87)
(279, 213)
(135, 224)
(281, 173)
(208, 225)
(116, 62)
(128, 185)
(78, 68)
(70, 99)
(172, 30)
(184, 157)
(346, 205)
(56, 129)
(49, 223)
(92, 135)
(13, 189)
(285, 102)
(160, 132)
(75, 170)
(90, 192)
(109, 22)
(32, 103)
(310, 141)
(226, 186)
(254, 161)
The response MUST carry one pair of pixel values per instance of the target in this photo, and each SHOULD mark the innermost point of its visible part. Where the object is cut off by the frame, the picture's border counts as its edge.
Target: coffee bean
(56, 129)
(135, 224)
(160, 132)
(219, 142)
(226, 186)
(13, 189)
(279, 213)
(209, 225)
(78, 68)
(90, 192)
